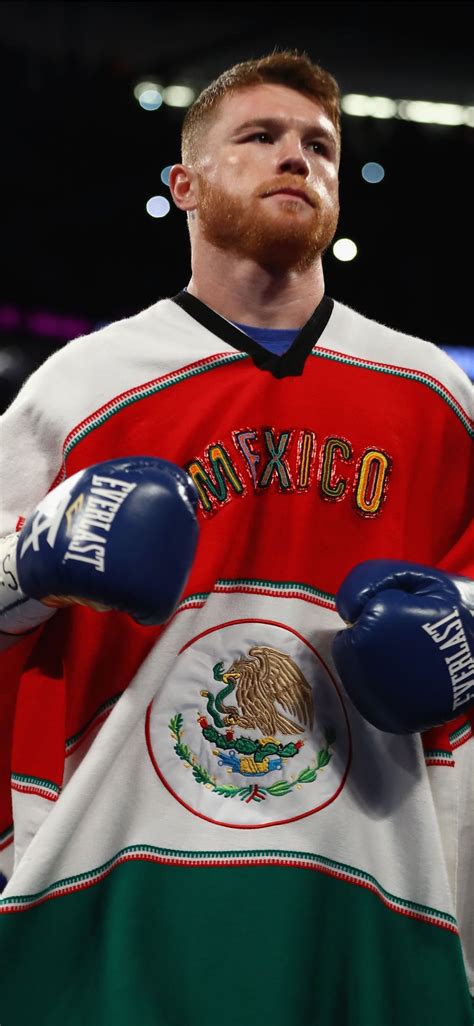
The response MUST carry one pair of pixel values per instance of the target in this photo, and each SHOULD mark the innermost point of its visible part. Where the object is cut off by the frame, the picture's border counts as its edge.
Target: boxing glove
(406, 658)
(119, 535)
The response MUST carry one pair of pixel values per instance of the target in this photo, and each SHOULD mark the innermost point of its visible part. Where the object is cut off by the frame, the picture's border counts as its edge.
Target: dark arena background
(93, 96)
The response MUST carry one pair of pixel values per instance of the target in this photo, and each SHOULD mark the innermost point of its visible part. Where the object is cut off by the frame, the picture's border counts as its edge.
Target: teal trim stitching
(22, 778)
(142, 393)
(424, 379)
(142, 850)
(276, 586)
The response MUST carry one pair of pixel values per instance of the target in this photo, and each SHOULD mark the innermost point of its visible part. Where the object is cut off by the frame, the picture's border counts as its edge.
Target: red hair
(287, 67)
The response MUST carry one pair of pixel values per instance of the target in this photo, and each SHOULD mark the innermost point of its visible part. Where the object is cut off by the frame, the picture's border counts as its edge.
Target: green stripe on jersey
(163, 945)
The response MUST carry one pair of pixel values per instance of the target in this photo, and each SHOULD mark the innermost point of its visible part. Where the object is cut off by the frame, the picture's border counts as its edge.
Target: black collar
(290, 364)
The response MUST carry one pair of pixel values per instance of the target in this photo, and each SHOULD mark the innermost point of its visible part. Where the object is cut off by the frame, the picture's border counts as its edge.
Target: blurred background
(93, 96)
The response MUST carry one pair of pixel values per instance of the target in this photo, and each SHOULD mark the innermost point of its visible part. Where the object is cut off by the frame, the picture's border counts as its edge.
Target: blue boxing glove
(118, 535)
(406, 658)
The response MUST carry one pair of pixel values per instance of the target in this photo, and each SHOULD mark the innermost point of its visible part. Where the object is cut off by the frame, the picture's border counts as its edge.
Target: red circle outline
(251, 826)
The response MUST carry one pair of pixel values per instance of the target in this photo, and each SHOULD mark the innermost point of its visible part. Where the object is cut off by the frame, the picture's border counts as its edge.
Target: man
(207, 827)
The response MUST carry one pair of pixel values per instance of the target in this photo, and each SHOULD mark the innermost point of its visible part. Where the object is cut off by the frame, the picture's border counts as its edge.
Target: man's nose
(292, 158)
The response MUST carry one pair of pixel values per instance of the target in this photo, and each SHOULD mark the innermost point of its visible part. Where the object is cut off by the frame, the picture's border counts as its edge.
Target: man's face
(267, 138)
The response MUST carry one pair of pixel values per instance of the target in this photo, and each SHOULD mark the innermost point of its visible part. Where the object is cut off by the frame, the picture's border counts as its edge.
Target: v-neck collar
(289, 364)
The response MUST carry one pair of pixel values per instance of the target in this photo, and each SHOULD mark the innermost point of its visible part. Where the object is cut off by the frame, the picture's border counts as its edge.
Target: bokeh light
(368, 106)
(165, 174)
(149, 95)
(158, 206)
(344, 250)
(372, 172)
(178, 95)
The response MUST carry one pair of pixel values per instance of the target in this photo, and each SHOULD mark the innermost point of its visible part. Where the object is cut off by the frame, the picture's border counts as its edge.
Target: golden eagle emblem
(265, 684)
(260, 718)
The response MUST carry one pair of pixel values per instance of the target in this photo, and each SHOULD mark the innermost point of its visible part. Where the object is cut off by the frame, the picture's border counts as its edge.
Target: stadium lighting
(422, 111)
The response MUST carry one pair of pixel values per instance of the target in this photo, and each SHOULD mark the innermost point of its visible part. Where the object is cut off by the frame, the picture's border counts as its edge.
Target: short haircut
(286, 67)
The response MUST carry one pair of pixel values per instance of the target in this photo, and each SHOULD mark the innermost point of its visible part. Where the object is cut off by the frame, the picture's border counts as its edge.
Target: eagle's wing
(281, 676)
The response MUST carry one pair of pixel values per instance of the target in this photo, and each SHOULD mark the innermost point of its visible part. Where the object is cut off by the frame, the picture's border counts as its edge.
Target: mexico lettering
(258, 459)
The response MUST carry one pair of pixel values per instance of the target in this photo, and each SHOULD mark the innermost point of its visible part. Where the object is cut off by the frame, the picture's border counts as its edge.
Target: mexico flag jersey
(197, 825)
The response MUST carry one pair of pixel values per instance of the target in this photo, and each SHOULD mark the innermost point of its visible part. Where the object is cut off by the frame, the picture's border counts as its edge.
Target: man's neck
(242, 291)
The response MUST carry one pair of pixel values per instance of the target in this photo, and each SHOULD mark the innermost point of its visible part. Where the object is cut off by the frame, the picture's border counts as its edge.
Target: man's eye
(260, 135)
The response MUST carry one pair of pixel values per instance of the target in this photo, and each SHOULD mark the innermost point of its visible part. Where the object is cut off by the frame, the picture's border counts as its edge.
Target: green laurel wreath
(250, 792)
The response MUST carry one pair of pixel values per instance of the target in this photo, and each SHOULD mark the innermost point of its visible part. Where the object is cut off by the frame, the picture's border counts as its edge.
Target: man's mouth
(291, 192)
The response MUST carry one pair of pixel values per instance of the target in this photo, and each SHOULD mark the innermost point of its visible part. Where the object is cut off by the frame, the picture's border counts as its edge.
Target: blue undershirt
(276, 340)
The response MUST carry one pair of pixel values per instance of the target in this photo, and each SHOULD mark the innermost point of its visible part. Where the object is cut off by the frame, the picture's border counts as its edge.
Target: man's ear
(183, 187)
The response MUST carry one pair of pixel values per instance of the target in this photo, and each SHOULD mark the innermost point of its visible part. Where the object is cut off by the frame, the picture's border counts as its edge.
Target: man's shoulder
(118, 356)
(106, 341)
(380, 334)
(118, 333)
(392, 350)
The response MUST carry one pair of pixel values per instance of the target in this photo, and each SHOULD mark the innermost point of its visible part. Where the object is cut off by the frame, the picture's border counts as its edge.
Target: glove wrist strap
(19, 615)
